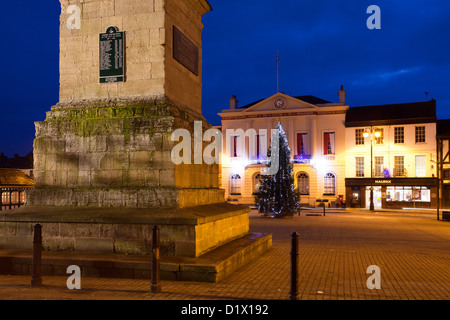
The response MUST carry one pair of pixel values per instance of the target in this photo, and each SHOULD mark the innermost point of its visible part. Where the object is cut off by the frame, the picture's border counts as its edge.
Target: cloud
(385, 76)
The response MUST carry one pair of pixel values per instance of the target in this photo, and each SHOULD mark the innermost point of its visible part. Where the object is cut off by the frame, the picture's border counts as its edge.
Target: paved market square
(411, 248)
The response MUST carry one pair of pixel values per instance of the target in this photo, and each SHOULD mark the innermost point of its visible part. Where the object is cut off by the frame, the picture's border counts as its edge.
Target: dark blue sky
(322, 44)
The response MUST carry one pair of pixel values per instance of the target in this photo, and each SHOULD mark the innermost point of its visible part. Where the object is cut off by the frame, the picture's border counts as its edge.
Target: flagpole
(278, 72)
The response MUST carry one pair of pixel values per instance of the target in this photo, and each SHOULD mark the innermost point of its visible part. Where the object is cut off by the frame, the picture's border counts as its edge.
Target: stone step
(213, 266)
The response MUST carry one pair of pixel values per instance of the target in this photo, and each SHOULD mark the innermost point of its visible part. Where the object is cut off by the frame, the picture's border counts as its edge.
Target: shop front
(392, 193)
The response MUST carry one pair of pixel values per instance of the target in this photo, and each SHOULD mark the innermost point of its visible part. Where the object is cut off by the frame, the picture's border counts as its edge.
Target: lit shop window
(408, 194)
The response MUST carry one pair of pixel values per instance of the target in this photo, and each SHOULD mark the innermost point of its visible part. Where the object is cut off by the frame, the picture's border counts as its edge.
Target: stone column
(314, 135)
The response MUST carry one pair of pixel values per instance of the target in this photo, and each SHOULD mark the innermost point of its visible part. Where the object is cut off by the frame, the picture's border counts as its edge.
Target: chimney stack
(233, 102)
(342, 95)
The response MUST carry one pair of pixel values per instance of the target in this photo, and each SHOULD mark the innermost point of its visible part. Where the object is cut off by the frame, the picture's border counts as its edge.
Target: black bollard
(155, 286)
(324, 209)
(36, 280)
(293, 294)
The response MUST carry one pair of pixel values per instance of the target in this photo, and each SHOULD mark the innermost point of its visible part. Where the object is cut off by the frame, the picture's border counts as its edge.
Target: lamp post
(371, 134)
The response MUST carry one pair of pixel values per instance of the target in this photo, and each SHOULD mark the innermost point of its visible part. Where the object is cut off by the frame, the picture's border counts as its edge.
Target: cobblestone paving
(411, 249)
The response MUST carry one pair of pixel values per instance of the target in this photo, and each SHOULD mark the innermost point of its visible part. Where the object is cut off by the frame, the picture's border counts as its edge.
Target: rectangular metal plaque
(185, 51)
(112, 67)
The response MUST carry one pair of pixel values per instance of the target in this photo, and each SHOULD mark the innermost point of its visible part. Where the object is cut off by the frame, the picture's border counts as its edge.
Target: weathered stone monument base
(203, 243)
(117, 153)
(188, 232)
(213, 266)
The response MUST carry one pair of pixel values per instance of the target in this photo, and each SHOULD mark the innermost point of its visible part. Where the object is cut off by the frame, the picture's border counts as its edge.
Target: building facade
(392, 149)
(443, 165)
(316, 134)
(13, 186)
(339, 153)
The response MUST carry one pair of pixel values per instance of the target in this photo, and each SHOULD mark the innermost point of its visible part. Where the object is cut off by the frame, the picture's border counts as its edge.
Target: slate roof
(392, 114)
(15, 177)
(17, 162)
(310, 99)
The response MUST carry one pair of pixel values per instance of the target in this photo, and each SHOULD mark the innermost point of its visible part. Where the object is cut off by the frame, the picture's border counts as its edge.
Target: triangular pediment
(281, 101)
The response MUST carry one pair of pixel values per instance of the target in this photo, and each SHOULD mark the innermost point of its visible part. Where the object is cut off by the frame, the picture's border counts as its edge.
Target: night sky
(322, 45)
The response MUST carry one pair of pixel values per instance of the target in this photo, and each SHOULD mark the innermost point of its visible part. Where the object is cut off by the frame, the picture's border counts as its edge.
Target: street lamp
(371, 134)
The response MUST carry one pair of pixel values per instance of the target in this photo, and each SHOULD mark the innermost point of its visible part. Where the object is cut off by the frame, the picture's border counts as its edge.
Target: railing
(400, 172)
(377, 173)
(12, 205)
(302, 158)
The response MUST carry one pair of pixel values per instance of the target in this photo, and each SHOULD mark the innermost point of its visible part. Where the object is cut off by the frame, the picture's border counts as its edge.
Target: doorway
(376, 197)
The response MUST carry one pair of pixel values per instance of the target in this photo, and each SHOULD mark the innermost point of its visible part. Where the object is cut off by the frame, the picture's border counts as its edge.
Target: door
(376, 197)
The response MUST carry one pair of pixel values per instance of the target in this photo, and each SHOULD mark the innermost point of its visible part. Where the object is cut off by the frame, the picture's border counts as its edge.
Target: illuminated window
(399, 166)
(235, 184)
(303, 183)
(256, 183)
(359, 137)
(329, 184)
(380, 139)
(302, 144)
(360, 167)
(15, 197)
(399, 135)
(258, 146)
(408, 194)
(421, 170)
(379, 166)
(446, 174)
(5, 197)
(420, 134)
(234, 146)
(329, 145)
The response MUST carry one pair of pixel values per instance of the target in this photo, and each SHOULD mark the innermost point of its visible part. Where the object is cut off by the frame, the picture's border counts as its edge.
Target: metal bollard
(36, 280)
(155, 286)
(324, 209)
(293, 294)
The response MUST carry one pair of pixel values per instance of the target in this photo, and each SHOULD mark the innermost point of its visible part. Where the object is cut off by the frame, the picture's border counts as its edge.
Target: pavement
(411, 249)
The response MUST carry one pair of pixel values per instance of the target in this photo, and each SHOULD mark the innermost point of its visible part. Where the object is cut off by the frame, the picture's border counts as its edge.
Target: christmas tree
(276, 194)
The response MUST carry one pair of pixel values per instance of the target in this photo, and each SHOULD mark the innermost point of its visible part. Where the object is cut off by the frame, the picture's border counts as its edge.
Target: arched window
(303, 183)
(329, 184)
(235, 184)
(256, 182)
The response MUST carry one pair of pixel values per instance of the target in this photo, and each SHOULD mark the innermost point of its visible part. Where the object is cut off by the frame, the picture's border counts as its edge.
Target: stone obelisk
(130, 74)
